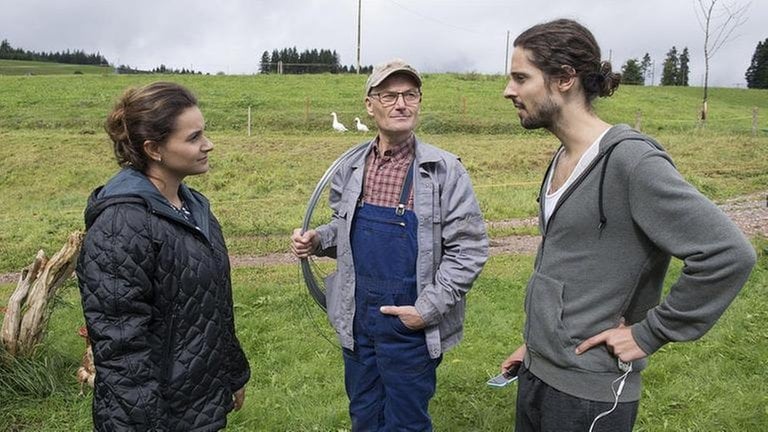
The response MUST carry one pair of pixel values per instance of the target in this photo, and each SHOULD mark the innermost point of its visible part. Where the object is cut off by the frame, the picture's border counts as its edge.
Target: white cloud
(435, 35)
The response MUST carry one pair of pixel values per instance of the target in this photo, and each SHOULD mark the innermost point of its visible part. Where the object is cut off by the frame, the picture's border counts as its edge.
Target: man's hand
(619, 342)
(407, 314)
(304, 245)
(239, 398)
(515, 358)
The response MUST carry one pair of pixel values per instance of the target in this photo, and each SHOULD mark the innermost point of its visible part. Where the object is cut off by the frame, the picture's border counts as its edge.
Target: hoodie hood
(132, 186)
(616, 135)
(621, 132)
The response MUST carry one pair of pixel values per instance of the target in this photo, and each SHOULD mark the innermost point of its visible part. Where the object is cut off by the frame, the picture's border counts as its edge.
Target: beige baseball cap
(384, 70)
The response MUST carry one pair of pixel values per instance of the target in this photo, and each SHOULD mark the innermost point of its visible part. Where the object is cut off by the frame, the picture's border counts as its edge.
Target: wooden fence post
(249, 120)
(754, 121)
(638, 119)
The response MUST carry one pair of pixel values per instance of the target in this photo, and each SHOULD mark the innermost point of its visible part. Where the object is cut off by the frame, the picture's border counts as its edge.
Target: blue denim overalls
(389, 377)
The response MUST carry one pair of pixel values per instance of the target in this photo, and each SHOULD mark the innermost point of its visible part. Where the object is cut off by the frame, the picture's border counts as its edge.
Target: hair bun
(609, 81)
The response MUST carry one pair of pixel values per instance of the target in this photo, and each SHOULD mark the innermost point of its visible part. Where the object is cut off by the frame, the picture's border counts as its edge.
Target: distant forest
(163, 69)
(314, 61)
(7, 52)
(79, 57)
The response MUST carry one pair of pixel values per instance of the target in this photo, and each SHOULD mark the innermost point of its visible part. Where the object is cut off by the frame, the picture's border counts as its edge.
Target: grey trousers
(541, 408)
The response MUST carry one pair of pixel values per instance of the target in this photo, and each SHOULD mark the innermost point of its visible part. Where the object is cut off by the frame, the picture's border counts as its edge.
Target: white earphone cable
(616, 393)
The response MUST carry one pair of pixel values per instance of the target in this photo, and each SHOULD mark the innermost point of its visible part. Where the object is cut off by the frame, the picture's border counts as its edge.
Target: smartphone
(505, 378)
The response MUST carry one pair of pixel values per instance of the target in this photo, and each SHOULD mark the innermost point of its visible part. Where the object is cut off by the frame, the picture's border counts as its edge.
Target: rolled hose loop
(316, 286)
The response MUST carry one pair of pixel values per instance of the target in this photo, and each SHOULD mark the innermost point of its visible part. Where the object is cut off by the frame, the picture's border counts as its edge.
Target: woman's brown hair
(145, 113)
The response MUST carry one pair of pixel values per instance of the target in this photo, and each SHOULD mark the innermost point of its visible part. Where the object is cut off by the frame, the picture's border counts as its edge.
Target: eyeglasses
(410, 97)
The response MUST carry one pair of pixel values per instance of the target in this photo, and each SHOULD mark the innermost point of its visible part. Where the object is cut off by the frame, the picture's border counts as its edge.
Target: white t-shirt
(550, 200)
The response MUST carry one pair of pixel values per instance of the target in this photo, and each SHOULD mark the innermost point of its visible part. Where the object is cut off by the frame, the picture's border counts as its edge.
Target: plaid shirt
(385, 174)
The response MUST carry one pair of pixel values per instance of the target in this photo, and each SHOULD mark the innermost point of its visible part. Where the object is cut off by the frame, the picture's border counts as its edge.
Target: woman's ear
(152, 150)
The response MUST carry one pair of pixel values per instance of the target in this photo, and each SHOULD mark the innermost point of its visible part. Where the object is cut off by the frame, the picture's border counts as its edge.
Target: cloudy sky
(434, 35)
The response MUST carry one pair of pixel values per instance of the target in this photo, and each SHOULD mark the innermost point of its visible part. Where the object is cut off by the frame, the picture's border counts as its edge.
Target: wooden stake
(754, 121)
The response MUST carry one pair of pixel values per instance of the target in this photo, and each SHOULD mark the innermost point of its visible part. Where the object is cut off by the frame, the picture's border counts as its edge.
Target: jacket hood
(616, 135)
(132, 186)
(621, 132)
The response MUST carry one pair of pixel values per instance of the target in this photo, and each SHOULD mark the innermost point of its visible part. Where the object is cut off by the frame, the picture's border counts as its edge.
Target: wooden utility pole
(359, 4)
(506, 56)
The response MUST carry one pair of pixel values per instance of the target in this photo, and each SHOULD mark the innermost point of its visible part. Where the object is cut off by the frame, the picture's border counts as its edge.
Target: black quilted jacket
(157, 300)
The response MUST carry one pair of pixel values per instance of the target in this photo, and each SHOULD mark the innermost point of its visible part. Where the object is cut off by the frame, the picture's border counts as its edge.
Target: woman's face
(186, 150)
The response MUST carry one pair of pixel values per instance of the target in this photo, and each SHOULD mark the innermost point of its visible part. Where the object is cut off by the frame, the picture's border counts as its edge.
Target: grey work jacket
(452, 242)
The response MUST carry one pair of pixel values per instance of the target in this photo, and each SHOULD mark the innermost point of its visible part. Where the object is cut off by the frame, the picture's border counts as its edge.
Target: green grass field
(53, 152)
(25, 67)
(301, 104)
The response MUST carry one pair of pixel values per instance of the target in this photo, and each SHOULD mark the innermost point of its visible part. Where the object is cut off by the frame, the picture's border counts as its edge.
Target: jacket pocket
(544, 330)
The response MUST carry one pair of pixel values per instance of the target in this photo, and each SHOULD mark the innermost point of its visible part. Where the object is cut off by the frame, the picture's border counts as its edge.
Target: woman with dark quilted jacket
(155, 279)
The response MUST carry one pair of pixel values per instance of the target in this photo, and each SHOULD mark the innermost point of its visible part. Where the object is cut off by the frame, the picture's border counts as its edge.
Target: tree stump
(29, 307)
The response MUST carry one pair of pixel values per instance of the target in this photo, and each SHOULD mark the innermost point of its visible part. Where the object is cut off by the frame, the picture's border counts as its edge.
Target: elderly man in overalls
(409, 240)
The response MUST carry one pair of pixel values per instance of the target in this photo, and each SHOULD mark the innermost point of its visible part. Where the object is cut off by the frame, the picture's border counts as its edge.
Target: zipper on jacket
(182, 222)
(568, 192)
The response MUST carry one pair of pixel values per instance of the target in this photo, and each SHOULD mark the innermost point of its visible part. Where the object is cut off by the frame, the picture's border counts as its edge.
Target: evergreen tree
(645, 67)
(275, 59)
(683, 70)
(264, 65)
(307, 61)
(76, 57)
(631, 73)
(5, 48)
(670, 69)
(757, 73)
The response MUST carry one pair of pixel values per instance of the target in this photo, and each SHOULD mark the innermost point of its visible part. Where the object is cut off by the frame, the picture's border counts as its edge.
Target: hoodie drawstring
(603, 219)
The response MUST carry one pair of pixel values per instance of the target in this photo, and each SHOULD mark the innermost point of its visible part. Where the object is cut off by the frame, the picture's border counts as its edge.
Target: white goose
(336, 125)
(361, 127)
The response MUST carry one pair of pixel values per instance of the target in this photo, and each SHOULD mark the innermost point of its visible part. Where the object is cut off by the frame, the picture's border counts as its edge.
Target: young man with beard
(409, 242)
(613, 211)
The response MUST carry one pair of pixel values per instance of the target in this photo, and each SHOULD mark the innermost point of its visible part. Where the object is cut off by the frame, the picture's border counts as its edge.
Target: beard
(543, 117)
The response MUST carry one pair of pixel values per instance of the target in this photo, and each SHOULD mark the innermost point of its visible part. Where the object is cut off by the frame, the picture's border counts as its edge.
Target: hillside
(302, 103)
(23, 67)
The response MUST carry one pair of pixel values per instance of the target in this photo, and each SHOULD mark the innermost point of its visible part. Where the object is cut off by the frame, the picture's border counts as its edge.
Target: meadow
(53, 152)
(25, 67)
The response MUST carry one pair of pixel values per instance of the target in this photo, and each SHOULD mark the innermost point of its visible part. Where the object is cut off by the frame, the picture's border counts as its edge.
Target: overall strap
(406, 192)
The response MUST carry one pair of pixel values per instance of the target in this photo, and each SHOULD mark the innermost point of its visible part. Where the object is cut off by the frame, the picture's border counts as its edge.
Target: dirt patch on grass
(749, 213)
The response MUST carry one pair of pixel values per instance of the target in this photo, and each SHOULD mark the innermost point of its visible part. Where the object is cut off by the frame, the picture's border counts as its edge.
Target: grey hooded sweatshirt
(604, 255)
